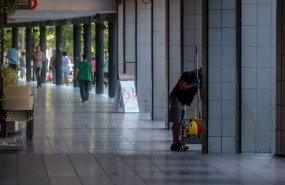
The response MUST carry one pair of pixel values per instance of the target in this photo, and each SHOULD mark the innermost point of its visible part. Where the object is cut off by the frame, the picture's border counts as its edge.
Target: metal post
(15, 38)
(23, 39)
(58, 55)
(2, 50)
(43, 49)
(99, 58)
(76, 48)
(113, 57)
(87, 40)
(28, 53)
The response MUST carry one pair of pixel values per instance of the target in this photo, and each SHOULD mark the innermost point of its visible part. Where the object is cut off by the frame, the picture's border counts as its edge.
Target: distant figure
(52, 66)
(106, 71)
(38, 59)
(84, 74)
(93, 62)
(65, 68)
(23, 65)
(12, 56)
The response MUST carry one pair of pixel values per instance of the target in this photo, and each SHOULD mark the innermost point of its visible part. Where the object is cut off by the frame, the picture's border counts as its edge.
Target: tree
(67, 38)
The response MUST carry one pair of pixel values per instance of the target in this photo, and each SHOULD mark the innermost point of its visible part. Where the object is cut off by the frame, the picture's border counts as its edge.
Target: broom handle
(198, 92)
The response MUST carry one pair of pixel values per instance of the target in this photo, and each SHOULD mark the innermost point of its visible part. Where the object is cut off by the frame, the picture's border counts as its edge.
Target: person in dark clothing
(182, 94)
(53, 67)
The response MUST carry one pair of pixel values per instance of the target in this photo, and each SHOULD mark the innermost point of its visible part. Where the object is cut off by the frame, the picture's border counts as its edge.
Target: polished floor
(86, 144)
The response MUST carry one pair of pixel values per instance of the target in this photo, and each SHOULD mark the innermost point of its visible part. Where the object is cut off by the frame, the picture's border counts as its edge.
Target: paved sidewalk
(85, 143)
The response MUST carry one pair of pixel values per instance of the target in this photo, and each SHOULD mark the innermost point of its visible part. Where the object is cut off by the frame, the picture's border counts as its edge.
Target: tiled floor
(85, 143)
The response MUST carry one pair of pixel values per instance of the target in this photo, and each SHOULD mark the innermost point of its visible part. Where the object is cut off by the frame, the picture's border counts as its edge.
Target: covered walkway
(85, 143)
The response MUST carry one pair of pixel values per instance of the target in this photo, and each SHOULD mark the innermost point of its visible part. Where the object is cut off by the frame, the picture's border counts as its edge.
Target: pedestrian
(84, 74)
(52, 67)
(65, 68)
(38, 59)
(106, 71)
(23, 65)
(12, 56)
(182, 94)
(93, 62)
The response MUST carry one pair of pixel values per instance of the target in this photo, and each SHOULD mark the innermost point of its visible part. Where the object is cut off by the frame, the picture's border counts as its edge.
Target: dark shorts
(106, 75)
(177, 110)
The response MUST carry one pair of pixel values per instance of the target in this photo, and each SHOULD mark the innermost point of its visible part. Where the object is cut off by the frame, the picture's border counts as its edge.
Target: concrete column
(87, 40)
(99, 58)
(130, 39)
(258, 76)
(175, 59)
(280, 86)
(113, 57)
(58, 55)
(144, 72)
(15, 42)
(43, 49)
(28, 53)
(191, 36)
(1, 60)
(221, 84)
(76, 48)
(121, 38)
(159, 73)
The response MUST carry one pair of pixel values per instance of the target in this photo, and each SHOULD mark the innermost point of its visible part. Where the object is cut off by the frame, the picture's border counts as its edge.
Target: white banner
(129, 96)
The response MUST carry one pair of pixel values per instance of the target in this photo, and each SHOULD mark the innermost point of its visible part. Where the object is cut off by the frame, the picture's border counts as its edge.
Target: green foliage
(7, 39)
(10, 77)
(12, 6)
(50, 37)
(67, 39)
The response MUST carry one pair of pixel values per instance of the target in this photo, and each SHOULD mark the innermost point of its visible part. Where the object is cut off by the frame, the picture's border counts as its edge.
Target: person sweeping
(182, 94)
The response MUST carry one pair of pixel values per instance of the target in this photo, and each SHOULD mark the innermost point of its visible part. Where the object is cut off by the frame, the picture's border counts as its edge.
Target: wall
(159, 60)
(192, 36)
(221, 74)
(130, 40)
(121, 38)
(135, 51)
(144, 80)
(258, 72)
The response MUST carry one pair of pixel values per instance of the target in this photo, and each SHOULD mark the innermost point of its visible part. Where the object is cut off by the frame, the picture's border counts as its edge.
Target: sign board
(126, 92)
(26, 4)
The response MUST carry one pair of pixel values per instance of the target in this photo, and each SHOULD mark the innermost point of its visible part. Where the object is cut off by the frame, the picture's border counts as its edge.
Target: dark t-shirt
(53, 62)
(186, 96)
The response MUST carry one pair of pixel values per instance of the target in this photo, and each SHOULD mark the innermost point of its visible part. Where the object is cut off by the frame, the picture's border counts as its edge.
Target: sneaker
(175, 147)
(185, 147)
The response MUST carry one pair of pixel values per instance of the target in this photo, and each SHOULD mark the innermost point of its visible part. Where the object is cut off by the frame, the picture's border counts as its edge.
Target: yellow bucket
(193, 129)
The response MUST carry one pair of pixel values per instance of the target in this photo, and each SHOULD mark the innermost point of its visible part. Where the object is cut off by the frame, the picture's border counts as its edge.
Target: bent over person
(182, 94)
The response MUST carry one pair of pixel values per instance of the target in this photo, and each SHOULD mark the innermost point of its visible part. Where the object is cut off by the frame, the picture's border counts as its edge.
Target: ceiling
(47, 10)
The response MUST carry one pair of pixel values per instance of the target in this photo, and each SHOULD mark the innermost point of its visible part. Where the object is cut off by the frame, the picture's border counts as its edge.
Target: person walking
(65, 68)
(22, 65)
(38, 59)
(52, 66)
(84, 74)
(182, 94)
(93, 62)
(12, 56)
(106, 71)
